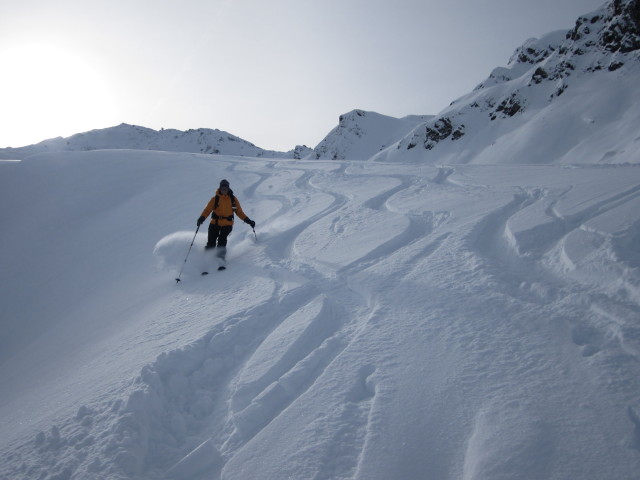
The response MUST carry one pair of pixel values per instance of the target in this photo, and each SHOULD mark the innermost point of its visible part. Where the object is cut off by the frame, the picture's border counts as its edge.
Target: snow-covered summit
(361, 134)
(567, 89)
(133, 137)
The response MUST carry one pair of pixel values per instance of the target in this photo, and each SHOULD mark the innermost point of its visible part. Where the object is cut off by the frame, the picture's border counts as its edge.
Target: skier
(222, 208)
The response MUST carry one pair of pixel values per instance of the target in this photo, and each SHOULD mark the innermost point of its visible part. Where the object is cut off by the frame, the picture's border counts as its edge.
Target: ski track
(197, 406)
(443, 175)
(492, 240)
(605, 322)
(256, 400)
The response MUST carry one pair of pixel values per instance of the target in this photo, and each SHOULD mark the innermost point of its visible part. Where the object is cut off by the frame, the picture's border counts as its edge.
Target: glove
(201, 220)
(248, 221)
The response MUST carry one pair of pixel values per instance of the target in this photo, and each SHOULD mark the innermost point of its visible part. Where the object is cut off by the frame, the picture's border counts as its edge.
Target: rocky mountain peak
(620, 30)
(583, 78)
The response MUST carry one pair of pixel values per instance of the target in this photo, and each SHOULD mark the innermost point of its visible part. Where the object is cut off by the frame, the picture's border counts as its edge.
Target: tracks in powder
(279, 356)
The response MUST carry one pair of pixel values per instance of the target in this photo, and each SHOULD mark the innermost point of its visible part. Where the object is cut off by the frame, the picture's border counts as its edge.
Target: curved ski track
(267, 374)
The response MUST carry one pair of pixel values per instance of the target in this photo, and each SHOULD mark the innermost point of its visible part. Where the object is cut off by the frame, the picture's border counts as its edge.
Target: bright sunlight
(46, 92)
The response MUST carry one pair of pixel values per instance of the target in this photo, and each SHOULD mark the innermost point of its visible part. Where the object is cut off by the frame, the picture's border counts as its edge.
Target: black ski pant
(218, 235)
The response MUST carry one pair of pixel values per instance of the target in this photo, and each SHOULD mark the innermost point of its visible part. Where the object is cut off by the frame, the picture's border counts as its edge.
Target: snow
(360, 135)
(544, 102)
(446, 297)
(124, 136)
(390, 321)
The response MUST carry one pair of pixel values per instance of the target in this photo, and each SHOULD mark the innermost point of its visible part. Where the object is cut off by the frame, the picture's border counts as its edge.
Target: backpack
(216, 202)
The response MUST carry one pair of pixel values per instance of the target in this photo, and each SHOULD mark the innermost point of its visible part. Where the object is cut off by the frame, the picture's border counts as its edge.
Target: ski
(220, 255)
(220, 268)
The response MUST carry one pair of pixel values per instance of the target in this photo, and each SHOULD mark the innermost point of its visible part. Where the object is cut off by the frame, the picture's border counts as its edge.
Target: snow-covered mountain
(134, 137)
(518, 109)
(565, 97)
(360, 135)
(388, 320)
(593, 68)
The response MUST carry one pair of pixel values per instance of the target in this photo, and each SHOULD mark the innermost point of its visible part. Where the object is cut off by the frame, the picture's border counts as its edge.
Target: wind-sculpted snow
(386, 321)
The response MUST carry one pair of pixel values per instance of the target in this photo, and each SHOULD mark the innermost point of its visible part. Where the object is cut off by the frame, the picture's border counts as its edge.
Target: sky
(277, 73)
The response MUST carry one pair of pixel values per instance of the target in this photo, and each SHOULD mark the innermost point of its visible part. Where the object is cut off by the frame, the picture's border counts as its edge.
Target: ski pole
(188, 252)
(254, 233)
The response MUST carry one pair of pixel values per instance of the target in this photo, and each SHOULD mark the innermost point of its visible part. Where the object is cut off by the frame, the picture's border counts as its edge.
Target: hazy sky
(277, 73)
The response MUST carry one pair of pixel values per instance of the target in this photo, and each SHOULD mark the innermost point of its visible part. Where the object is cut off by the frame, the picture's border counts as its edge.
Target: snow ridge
(124, 136)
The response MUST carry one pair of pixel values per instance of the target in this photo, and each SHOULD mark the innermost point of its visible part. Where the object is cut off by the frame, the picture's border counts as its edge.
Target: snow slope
(391, 321)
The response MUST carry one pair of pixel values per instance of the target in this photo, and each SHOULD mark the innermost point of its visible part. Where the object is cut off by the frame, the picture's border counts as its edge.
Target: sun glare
(46, 92)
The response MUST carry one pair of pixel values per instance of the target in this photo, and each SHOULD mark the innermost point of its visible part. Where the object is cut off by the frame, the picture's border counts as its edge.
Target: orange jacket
(224, 211)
